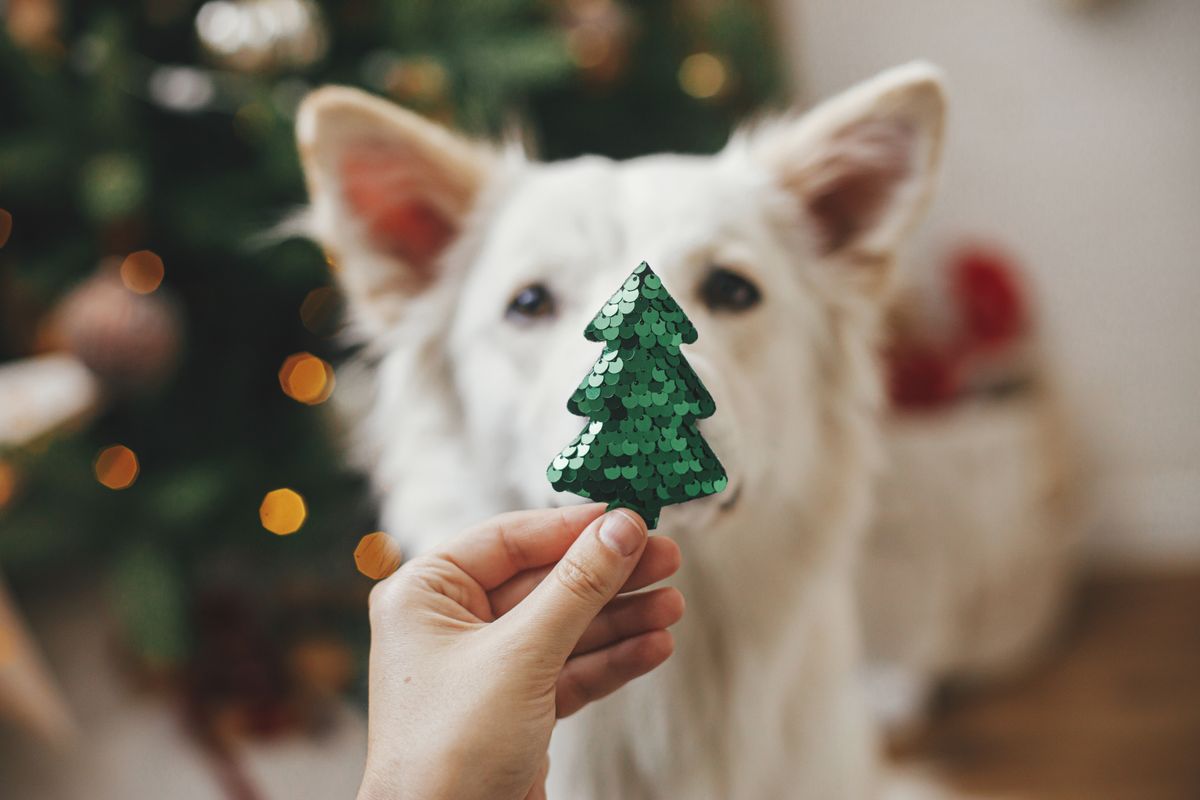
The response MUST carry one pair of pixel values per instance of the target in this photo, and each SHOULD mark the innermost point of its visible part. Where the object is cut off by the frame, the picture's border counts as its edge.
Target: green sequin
(641, 448)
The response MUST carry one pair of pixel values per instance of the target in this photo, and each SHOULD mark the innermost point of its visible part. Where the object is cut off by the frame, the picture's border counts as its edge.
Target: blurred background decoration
(1072, 145)
(1068, 456)
(979, 519)
(163, 357)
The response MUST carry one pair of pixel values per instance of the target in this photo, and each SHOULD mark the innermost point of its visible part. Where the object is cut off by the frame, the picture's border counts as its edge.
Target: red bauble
(921, 376)
(990, 298)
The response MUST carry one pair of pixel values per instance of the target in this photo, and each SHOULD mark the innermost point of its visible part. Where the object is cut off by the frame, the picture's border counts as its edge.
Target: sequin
(641, 448)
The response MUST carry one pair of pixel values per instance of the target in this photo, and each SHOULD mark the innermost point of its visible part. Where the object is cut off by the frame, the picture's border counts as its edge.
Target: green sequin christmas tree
(641, 449)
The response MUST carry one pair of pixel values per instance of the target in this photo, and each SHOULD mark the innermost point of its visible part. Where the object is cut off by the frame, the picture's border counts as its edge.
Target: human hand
(477, 648)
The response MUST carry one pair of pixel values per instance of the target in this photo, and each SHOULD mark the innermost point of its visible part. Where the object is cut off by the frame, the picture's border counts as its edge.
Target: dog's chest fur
(759, 700)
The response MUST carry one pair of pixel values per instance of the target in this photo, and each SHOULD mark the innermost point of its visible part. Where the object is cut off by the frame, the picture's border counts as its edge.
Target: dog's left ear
(390, 193)
(863, 164)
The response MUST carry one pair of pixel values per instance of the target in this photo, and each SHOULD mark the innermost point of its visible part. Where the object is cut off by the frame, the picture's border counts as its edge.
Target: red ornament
(990, 298)
(921, 376)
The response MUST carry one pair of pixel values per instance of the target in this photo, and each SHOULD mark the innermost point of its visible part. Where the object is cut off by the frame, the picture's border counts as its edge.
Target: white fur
(464, 408)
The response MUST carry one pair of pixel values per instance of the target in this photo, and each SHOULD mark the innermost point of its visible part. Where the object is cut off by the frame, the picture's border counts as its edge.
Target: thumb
(558, 611)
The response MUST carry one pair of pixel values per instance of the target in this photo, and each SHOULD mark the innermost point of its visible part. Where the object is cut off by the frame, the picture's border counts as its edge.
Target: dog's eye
(532, 302)
(725, 290)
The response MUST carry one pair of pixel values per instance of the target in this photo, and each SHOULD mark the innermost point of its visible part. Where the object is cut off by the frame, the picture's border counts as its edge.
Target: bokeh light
(282, 511)
(377, 555)
(322, 665)
(142, 272)
(5, 226)
(261, 35)
(318, 309)
(306, 378)
(702, 75)
(117, 467)
(184, 89)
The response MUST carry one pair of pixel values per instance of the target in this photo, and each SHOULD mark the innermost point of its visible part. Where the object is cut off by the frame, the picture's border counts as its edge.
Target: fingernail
(620, 532)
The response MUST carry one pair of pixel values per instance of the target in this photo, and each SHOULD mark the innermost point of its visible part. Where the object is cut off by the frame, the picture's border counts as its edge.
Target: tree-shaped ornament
(641, 448)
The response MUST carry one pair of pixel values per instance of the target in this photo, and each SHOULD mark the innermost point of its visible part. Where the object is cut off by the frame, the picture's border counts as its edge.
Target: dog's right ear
(390, 191)
(861, 166)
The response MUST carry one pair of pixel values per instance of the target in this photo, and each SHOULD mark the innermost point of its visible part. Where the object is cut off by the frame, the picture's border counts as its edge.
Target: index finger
(498, 549)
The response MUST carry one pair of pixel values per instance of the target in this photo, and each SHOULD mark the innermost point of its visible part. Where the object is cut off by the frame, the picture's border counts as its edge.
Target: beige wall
(1075, 141)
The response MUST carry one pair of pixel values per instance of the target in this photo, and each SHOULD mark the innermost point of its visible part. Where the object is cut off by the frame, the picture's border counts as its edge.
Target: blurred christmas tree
(166, 126)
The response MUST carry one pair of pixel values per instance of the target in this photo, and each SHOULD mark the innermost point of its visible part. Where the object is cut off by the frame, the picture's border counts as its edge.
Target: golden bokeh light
(117, 467)
(5, 226)
(8, 483)
(306, 378)
(703, 75)
(377, 555)
(282, 511)
(142, 272)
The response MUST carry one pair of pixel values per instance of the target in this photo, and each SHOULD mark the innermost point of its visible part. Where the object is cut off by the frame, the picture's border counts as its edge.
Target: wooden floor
(1113, 714)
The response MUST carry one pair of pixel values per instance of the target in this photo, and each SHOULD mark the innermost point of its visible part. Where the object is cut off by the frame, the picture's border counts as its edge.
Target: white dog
(471, 273)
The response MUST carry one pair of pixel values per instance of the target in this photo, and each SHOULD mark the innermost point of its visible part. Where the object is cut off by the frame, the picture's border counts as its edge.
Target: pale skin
(477, 648)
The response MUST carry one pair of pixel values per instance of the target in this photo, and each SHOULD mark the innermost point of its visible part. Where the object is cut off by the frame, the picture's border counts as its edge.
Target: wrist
(441, 776)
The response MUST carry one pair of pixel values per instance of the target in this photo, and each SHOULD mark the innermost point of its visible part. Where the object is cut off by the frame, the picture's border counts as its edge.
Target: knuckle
(391, 595)
(384, 598)
(581, 579)
(432, 576)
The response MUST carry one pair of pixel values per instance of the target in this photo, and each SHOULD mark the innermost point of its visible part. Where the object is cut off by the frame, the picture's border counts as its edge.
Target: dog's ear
(862, 165)
(389, 190)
